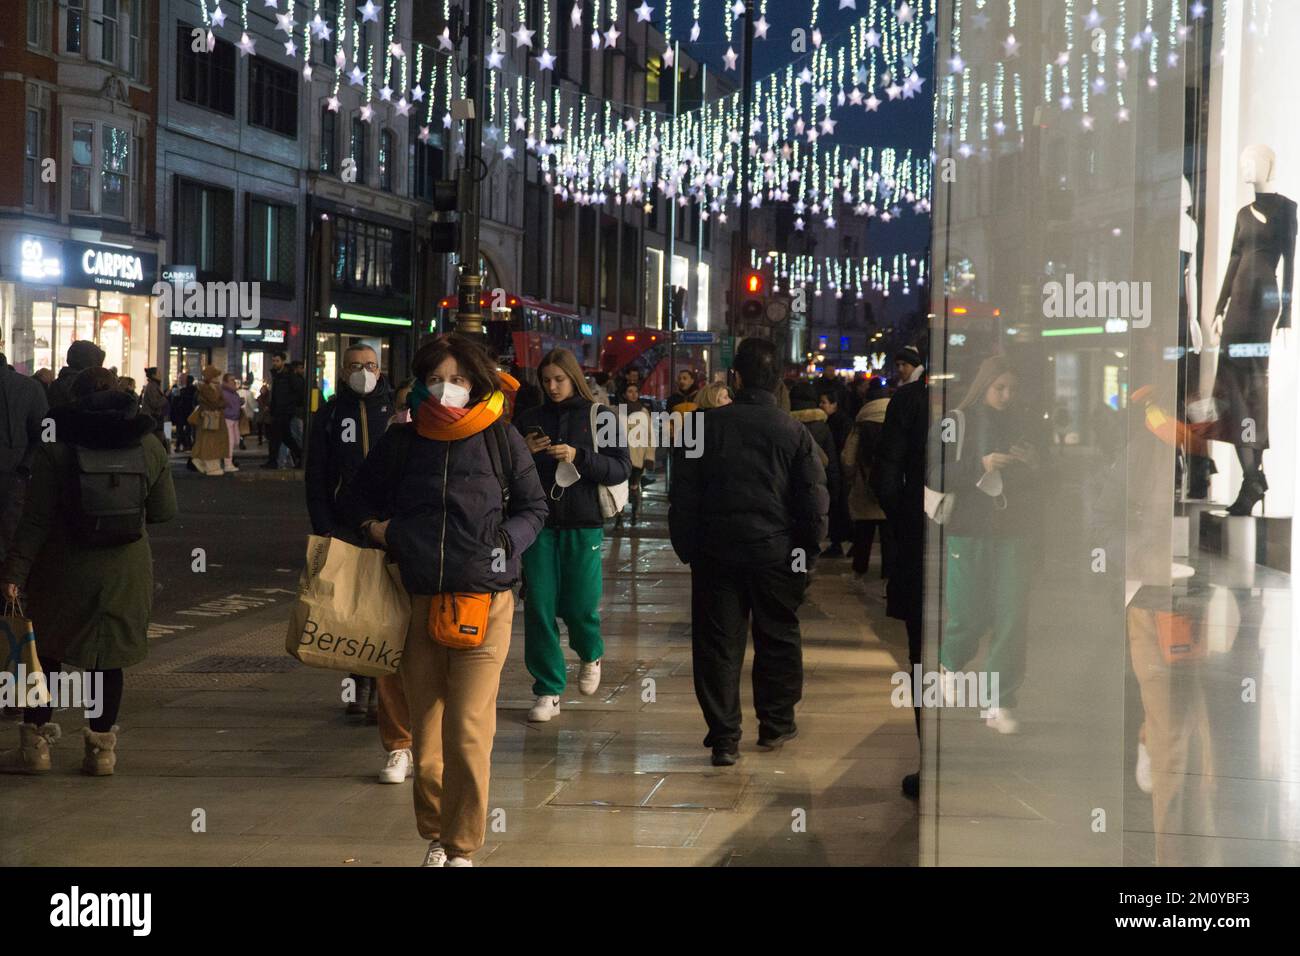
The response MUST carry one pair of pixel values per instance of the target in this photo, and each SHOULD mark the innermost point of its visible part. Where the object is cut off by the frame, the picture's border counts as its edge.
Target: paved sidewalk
(225, 723)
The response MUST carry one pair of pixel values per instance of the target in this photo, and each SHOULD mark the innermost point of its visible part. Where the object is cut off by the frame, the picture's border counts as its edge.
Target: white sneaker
(460, 861)
(230, 467)
(1001, 720)
(949, 682)
(545, 708)
(1144, 781)
(436, 856)
(589, 678)
(399, 768)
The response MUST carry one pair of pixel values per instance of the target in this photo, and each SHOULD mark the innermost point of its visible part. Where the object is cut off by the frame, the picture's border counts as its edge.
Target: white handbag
(613, 498)
(939, 504)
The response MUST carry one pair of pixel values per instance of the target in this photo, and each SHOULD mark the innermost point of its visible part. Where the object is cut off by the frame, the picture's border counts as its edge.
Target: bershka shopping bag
(352, 612)
(21, 668)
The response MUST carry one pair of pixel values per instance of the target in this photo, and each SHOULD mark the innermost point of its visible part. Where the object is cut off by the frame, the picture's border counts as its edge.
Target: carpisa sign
(91, 266)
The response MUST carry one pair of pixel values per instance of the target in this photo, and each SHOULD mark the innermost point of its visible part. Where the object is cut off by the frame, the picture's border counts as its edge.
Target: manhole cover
(238, 664)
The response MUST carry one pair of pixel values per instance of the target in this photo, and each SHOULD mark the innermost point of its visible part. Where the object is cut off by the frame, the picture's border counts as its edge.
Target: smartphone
(534, 431)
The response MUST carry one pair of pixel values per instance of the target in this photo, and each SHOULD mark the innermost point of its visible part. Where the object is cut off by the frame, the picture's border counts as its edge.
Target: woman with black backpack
(563, 568)
(454, 499)
(89, 577)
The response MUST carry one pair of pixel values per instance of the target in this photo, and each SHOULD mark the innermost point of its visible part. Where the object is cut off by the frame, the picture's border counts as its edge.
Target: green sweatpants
(562, 572)
(988, 588)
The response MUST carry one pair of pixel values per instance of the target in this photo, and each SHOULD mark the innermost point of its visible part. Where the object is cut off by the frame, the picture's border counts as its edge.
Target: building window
(38, 24)
(139, 51)
(115, 171)
(83, 158)
(72, 31)
(385, 164)
(329, 14)
(426, 161)
(654, 67)
(273, 97)
(32, 155)
(271, 245)
(369, 257)
(534, 223)
(205, 79)
(108, 31)
(357, 148)
(204, 223)
(141, 194)
(329, 140)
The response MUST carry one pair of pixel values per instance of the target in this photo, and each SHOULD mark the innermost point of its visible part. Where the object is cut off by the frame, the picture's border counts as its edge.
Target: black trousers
(864, 533)
(724, 597)
(282, 433)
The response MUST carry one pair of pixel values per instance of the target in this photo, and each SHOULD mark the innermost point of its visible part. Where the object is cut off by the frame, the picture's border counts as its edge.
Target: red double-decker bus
(521, 330)
(648, 351)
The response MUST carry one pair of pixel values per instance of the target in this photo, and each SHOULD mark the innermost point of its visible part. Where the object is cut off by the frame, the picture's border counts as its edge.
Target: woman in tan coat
(211, 440)
(864, 509)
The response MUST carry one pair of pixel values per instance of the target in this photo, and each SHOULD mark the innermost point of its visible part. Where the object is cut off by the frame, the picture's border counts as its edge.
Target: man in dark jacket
(804, 408)
(748, 516)
(898, 479)
(155, 404)
(187, 395)
(82, 354)
(22, 408)
(288, 398)
(342, 434)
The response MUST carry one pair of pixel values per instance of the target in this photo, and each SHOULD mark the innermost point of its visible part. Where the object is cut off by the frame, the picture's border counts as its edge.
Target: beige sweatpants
(452, 698)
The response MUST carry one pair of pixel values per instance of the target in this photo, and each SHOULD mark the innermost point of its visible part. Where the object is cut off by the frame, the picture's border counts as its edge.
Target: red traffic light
(753, 283)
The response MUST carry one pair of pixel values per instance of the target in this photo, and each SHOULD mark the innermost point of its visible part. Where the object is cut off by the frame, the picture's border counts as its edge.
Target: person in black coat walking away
(82, 354)
(288, 399)
(342, 434)
(187, 396)
(155, 404)
(22, 409)
(803, 406)
(562, 569)
(748, 516)
(898, 481)
(840, 425)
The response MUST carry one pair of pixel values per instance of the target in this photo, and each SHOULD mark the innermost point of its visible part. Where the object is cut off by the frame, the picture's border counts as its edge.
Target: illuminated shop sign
(196, 330)
(93, 266)
(40, 259)
(261, 334)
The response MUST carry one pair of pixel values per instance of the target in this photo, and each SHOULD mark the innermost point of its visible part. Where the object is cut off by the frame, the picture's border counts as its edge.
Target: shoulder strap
(404, 436)
(498, 448)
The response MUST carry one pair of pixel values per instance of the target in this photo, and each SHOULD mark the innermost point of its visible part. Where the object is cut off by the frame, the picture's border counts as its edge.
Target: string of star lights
(595, 151)
(856, 276)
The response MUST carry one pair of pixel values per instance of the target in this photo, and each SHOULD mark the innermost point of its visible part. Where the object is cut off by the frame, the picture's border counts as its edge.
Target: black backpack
(110, 489)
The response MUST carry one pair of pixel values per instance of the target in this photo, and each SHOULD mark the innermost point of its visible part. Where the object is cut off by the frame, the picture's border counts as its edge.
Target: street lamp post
(469, 316)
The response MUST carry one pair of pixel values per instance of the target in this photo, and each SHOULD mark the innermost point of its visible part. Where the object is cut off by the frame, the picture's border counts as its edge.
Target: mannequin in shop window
(1248, 308)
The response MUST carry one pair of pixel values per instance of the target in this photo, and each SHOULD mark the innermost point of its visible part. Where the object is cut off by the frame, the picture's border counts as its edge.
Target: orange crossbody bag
(459, 619)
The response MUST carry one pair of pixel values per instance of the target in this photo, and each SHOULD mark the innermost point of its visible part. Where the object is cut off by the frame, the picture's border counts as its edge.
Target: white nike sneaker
(436, 856)
(1144, 782)
(589, 678)
(460, 861)
(546, 707)
(399, 768)
(1001, 720)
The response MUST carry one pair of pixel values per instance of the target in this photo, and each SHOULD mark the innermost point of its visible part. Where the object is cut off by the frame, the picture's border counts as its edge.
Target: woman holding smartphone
(562, 569)
(988, 559)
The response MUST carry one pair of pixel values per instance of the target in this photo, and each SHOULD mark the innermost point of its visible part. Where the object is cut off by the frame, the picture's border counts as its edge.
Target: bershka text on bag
(381, 654)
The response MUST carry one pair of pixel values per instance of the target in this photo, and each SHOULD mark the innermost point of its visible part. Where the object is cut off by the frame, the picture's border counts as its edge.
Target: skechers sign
(90, 266)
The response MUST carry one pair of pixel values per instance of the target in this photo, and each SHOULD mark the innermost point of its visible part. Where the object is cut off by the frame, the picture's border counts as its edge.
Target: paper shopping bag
(352, 612)
(21, 668)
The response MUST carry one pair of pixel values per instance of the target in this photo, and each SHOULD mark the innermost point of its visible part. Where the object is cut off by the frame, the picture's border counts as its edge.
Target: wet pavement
(234, 754)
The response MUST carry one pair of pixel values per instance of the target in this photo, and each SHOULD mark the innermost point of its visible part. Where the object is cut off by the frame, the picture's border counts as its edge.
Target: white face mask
(363, 382)
(566, 473)
(453, 396)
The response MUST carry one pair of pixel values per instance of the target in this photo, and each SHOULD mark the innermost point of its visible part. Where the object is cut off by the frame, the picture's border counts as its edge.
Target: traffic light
(753, 295)
(444, 232)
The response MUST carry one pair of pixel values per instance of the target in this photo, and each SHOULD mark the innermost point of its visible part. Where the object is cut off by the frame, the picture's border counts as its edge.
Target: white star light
(1067, 102)
(1197, 10)
(761, 26)
(444, 40)
(290, 48)
(955, 65)
(595, 39)
(546, 61)
(284, 22)
(730, 58)
(611, 36)
(629, 124)
(395, 50)
(557, 131)
(805, 75)
(904, 13)
(424, 134)
(855, 97)
(218, 16)
(271, 3)
(848, 4)
(495, 59)
(1010, 46)
(695, 31)
(1093, 19)
(369, 12)
(246, 44)
(333, 104)
(643, 13)
(737, 9)
(356, 77)
(893, 90)
(524, 36)
(668, 57)
(366, 113)
(873, 103)
(828, 126)
(403, 107)
(575, 15)
(446, 121)
(322, 30)
(872, 37)
(386, 93)
(507, 151)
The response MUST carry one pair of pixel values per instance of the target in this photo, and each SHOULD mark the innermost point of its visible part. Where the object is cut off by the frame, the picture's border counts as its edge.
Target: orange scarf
(441, 423)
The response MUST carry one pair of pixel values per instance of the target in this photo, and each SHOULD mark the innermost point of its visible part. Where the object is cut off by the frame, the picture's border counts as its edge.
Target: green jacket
(89, 606)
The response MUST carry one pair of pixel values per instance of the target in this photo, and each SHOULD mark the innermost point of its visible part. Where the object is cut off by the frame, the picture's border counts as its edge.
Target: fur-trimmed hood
(106, 419)
(807, 415)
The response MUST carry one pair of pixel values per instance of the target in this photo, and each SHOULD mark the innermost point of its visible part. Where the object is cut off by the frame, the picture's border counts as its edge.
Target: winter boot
(33, 753)
(101, 755)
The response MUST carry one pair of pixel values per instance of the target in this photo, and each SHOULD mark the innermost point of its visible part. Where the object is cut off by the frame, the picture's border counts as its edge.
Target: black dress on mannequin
(1253, 302)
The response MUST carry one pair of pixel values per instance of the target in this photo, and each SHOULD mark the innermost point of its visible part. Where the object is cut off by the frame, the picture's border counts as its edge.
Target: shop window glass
(83, 158)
